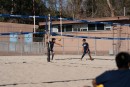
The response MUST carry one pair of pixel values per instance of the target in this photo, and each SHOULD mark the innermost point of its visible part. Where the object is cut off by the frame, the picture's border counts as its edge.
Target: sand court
(63, 71)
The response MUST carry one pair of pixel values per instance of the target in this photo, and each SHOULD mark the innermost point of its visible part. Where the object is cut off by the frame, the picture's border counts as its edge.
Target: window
(100, 26)
(63, 28)
(91, 27)
(84, 30)
(75, 29)
(69, 28)
(54, 28)
(108, 27)
(79, 29)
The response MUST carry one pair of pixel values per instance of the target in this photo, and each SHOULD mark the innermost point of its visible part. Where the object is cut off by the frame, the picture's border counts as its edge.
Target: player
(86, 49)
(52, 46)
(116, 78)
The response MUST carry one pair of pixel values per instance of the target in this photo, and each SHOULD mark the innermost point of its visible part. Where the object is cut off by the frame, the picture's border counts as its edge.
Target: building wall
(14, 27)
(81, 27)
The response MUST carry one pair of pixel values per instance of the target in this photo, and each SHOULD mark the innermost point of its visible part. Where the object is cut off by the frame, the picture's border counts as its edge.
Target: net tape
(89, 37)
(66, 35)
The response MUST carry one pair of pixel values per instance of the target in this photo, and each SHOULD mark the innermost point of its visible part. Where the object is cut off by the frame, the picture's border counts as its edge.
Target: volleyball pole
(61, 25)
(34, 24)
(48, 39)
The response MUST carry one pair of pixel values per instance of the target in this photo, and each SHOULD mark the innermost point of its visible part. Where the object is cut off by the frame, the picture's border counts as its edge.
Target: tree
(111, 8)
(5, 6)
(70, 8)
(22, 7)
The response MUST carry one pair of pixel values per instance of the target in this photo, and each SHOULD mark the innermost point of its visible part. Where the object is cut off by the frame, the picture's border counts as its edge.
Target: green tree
(23, 7)
(5, 6)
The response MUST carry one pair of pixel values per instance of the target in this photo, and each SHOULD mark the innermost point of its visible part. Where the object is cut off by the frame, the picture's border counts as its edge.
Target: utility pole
(72, 9)
(124, 11)
(48, 39)
(12, 9)
(34, 19)
(60, 16)
(60, 7)
(61, 22)
(92, 8)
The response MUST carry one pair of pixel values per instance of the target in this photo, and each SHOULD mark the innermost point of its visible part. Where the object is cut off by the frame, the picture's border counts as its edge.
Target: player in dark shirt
(116, 78)
(52, 46)
(86, 49)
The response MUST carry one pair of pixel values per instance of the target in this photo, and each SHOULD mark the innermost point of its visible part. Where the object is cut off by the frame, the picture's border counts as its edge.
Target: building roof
(109, 18)
(117, 19)
(58, 22)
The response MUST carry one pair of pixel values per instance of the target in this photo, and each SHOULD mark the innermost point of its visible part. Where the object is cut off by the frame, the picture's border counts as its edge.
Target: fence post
(15, 46)
(63, 51)
(78, 46)
(8, 46)
(95, 46)
(21, 48)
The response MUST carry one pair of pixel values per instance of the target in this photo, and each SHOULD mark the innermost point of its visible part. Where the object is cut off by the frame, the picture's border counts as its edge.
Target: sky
(58, 4)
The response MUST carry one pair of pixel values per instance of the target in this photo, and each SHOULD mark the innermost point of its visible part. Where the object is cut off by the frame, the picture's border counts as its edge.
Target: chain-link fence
(96, 46)
(21, 48)
(70, 46)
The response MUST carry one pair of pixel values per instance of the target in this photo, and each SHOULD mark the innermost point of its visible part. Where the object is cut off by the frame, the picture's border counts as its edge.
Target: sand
(63, 71)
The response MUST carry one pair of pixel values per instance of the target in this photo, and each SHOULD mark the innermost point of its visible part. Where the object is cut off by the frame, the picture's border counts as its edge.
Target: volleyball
(59, 39)
(100, 85)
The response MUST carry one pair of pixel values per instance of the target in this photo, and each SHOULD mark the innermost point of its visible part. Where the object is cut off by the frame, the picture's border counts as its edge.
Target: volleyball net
(19, 33)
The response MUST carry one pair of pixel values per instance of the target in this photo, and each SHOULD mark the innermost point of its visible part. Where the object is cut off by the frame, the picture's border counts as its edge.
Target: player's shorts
(85, 51)
(52, 50)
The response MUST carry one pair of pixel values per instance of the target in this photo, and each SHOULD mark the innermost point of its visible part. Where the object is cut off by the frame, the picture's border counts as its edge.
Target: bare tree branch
(111, 8)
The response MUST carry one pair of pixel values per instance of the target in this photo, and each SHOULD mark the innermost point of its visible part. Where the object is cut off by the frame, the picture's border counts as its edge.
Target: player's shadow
(49, 82)
(67, 59)
(68, 80)
(87, 59)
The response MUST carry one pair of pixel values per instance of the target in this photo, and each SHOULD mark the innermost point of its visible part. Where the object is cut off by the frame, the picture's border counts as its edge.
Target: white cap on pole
(124, 11)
